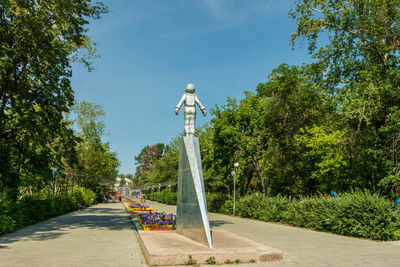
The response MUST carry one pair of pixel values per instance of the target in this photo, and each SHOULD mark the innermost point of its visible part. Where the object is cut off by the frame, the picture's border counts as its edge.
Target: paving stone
(102, 236)
(99, 236)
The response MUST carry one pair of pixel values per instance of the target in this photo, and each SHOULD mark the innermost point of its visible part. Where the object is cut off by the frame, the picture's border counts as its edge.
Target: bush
(82, 196)
(33, 209)
(166, 196)
(7, 224)
(215, 201)
(227, 208)
(358, 214)
(366, 215)
(169, 197)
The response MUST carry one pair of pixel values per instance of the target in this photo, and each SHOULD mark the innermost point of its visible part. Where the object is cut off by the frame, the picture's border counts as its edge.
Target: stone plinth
(170, 248)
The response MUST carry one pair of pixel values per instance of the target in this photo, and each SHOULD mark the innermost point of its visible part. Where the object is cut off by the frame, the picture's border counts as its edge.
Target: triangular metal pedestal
(192, 215)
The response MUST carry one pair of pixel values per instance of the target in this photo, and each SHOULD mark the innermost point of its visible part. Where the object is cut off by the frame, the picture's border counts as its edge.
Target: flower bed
(149, 218)
(135, 207)
(138, 206)
(156, 221)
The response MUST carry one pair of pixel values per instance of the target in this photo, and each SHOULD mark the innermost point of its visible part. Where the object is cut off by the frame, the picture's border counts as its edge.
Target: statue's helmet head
(190, 88)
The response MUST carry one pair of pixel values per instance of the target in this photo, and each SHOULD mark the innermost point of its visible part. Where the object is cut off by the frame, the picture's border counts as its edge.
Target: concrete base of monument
(170, 248)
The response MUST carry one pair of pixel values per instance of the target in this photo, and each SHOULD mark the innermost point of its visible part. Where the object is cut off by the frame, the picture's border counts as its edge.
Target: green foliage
(360, 70)
(366, 215)
(325, 155)
(97, 165)
(211, 261)
(215, 201)
(146, 160)
(259, 132)
(191, 261)
(166, 168)
(38, 41)
(358, 214)
(262, 133)
(39, 151)
(89, 120)
(166, 196)
(227, 207)
(157, 163)
(33, 209)
(82, 196)
(7, 223)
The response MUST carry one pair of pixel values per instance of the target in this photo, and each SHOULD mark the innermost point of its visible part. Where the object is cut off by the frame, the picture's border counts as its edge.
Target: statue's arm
(202, 108)
(180, 104)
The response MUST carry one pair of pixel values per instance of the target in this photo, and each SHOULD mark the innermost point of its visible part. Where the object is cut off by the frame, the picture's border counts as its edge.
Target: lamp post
(159, 188)
(236, 165)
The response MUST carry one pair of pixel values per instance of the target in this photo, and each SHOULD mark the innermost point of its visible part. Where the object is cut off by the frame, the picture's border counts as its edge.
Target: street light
(236, 165)
(159, 188)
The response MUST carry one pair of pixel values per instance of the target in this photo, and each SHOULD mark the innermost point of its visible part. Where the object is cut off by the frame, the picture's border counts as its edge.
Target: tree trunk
(259, 171)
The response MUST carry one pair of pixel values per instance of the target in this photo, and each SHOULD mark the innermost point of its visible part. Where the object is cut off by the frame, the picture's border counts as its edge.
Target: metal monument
(192, 216)
(190, 100)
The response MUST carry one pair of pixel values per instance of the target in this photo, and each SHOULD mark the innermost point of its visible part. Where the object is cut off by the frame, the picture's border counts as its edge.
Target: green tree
(122, 182)
(97, 165)
(293, 101)
(146, 160)
(166, 168)
(89, 120)
(237, 136)
(360, 66)
(323, 153)
(260, 133)
(37, 42)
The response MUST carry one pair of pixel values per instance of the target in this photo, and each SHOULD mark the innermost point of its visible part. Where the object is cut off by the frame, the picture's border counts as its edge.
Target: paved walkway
(99, 236)
(303, 247)
(102, 236)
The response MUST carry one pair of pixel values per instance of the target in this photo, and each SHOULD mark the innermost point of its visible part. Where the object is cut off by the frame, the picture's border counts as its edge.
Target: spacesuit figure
(190, 100)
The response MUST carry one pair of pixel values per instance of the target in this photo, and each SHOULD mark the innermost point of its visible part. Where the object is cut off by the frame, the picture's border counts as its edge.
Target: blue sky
(149, 50)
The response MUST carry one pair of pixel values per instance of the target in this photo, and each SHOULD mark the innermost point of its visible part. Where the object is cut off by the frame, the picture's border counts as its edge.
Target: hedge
(33, 209)
(166, 196)
(358, 214)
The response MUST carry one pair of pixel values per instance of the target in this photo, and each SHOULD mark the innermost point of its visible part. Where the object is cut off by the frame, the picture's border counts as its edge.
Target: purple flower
(138, 206)
(156, 218)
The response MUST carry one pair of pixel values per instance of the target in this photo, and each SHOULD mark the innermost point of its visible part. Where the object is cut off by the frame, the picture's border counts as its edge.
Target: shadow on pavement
(218, 223)
(109, 218)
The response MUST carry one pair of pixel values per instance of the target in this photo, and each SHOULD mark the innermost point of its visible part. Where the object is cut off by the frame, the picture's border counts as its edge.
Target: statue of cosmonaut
(190, 100)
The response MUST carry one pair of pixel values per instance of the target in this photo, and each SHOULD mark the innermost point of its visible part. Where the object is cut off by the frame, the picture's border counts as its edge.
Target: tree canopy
(38, 42)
